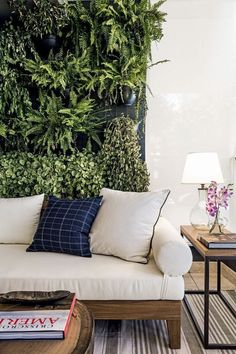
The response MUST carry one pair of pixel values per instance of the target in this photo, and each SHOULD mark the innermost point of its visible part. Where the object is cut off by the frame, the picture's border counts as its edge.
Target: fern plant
(82, 28)
(59, 73)
(54, 128)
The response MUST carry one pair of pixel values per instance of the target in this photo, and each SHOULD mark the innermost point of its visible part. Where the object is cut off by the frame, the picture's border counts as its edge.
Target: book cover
(219, 241)
(37, 322)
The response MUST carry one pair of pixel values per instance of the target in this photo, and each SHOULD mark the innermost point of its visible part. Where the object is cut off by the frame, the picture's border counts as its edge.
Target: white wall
(193, 107)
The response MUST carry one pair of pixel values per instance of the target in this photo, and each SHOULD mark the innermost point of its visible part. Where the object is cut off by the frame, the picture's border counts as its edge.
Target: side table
(208, 255)
(79, 339)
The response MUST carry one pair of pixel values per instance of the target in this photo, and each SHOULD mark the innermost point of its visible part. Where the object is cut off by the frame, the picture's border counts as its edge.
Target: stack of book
(223, 241)
(38, 322)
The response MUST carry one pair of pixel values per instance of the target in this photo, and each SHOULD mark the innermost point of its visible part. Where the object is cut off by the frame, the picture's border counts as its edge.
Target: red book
(44, 322)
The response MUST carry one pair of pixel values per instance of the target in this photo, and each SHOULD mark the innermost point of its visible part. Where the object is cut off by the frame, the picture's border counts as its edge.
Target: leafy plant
(55, 128)
(15, 101)
(24, 174)
(41, 17)
(120, 157)
(82, 28)
(117, 36)
(61, 72)
(127, 25)
(46, 105)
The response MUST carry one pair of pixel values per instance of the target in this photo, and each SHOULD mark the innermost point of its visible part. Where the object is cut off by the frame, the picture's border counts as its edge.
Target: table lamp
(201, 168)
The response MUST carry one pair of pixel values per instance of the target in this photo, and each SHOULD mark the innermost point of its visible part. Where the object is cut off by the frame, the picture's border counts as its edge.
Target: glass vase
(217, 223)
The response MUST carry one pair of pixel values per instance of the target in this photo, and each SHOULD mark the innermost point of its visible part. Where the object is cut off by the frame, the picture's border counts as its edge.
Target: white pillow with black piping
(124, 225)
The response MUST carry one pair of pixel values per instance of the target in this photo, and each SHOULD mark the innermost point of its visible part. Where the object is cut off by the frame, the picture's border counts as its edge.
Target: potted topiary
(120, 157)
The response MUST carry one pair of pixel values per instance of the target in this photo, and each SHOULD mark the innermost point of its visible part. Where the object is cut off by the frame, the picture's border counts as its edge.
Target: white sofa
(111, 287)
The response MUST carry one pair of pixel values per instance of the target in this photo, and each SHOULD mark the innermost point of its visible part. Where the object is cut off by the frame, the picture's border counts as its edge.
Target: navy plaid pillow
(65, 225)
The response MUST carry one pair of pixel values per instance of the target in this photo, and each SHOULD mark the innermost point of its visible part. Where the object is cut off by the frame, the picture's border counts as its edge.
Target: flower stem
(216, 226)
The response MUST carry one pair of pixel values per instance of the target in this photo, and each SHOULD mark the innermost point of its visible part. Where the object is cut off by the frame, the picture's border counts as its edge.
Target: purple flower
(217, 197)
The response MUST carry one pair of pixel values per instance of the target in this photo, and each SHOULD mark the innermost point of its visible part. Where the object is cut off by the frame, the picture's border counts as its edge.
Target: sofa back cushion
(65, 225)
(19, 218)
(125, 223)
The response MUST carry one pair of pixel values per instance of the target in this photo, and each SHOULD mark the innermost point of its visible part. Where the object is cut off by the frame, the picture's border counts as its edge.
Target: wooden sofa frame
(168, 310)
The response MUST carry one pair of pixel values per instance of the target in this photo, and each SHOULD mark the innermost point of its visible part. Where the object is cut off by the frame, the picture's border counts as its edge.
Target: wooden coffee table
(79, 338)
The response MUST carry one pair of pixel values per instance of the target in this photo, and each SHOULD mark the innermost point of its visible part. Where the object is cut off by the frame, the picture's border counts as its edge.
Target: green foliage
(49, 103)
(42, 18)
(15, 100)
(127, 26)
(61, 72)
(117, 36)
(82, 28)
(55, 128)
(23, 174)
(120, 157)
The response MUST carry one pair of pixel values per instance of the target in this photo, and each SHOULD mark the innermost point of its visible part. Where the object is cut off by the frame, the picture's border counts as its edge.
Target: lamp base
(198, 216)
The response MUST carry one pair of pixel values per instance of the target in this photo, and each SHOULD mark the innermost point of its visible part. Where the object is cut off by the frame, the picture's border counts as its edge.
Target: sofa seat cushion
(97, 278)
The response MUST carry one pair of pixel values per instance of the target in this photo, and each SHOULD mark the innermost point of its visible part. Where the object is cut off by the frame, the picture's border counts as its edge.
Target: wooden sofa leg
(174, 330)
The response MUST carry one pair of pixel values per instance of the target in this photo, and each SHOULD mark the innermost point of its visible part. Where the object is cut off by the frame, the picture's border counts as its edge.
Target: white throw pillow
(19, 218)
(124, 225)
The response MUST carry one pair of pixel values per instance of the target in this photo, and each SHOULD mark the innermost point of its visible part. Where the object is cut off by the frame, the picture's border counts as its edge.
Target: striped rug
(150, 337)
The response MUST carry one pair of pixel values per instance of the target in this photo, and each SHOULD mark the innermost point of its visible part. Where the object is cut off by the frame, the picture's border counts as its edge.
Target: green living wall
(63, 69)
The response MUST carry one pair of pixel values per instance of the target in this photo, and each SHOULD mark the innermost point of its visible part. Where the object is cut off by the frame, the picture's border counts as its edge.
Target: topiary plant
(120, 157)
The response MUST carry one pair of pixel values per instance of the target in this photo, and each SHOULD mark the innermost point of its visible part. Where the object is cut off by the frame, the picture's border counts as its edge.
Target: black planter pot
(50, 42)
(46, 44)
(5, 11)
(128, 96)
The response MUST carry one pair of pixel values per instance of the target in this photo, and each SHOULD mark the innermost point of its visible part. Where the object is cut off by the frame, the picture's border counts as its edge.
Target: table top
(191, 234)
(79, 338)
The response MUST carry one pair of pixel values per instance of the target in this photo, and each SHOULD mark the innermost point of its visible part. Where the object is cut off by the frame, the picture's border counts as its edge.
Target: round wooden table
(79, 338)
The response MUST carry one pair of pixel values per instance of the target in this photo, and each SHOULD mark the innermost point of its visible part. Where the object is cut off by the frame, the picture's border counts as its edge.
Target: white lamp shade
(202, 167)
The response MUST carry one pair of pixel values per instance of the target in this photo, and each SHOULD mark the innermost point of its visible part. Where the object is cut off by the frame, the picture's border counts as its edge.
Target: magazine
(42, 323)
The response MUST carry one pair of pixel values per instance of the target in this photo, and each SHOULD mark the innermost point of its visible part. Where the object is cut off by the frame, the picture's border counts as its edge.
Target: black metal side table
(208, 255)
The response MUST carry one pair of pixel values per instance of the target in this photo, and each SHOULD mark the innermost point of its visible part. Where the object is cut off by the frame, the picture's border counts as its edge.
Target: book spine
(69, 317)
(204, 242)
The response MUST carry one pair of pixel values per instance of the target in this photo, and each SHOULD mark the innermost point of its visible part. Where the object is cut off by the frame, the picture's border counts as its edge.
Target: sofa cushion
(97, 278)
(19, 218)
(125, 223)
(65, 225)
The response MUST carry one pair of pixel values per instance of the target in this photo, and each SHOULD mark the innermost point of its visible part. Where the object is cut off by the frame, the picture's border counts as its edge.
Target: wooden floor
(194, 279)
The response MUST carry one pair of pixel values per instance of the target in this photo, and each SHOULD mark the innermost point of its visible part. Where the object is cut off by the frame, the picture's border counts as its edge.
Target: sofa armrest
(171, 253)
